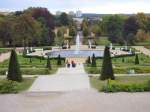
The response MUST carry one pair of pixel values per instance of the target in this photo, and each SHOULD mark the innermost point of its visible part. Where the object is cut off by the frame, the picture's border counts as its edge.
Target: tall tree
(130, 27)
(26, 29)
(14, 72)
(107, 69)
(6, 31)
(114, 28)
(72, 31)
(64, 19)
(142, 21)
(48, 24)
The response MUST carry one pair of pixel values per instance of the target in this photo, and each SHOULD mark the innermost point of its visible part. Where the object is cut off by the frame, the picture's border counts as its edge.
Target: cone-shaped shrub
(88, 60)
(59, 60)
(24, 52)
(30, 59)
(48, 63)
(137, 59)
(107, 70)
(14, 72)
(123, 60)
(93, 61)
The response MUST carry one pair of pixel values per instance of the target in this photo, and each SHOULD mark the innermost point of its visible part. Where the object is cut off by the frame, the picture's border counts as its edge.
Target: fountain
(90, 44)
(77, 52)
(111, 46)
(77, 44)
(67, 45)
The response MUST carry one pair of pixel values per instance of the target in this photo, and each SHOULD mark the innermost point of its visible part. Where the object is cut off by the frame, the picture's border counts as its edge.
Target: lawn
(7, 86)
(35, 67)
(4, 50)
(102, 41)
(129, 80)
(122, 65)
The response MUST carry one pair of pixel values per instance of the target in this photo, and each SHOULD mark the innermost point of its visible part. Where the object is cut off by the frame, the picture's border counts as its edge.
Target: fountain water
(77, 44)
(90, 44)
(67, 44)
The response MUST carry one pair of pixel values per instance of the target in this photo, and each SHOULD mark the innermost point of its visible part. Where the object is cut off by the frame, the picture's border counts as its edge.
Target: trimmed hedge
(118, 70)
(119, 56)
(114, 87)
(32, 71)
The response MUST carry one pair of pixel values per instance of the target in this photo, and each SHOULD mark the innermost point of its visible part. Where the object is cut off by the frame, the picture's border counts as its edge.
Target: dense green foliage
(14, 72)
(122, 83)
(120, 29)
(107, 69)
(9, 86)
(114, 87)
(30, 27)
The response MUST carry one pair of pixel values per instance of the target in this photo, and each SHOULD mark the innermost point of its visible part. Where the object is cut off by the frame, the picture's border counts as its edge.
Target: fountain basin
(72, 53)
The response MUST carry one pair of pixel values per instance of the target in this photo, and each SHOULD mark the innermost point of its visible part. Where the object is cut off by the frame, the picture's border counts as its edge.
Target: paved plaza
(75, 101)
(66, 79)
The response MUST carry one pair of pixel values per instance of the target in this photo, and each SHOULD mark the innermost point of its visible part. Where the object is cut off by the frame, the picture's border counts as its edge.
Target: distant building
(58, 13)
(71, 13)
(78, 14)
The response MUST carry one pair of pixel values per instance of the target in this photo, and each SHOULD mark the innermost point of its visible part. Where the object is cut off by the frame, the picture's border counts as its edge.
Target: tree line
(36, 27)
(31, 27)
(120, 28)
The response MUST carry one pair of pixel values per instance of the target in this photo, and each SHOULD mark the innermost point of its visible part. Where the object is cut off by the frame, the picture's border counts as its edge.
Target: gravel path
(66, 79)
(143, 50)
(4, 56)
(76, 101)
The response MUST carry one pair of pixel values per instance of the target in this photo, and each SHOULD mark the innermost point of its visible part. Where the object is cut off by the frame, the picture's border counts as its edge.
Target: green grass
(4, 50)
(8, 86)
(25, 85)
(99, 84)
(121, 67)
(35, 67)
(102, 41)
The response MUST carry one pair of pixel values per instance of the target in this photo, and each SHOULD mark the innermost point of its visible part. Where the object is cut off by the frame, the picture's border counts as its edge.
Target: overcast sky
(91, 6)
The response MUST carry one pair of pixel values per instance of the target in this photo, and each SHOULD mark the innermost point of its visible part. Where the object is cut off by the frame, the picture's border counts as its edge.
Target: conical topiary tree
(93, 61)
(107, 69)
(14, 72)
(48, 63)
(88, 61)
(123, 60)
(24, 52)
(59, 60)
(137, 59)
(30, 59)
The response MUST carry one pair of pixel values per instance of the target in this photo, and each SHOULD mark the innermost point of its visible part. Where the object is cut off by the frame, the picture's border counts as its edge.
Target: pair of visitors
(73, 64)
(68, 64)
